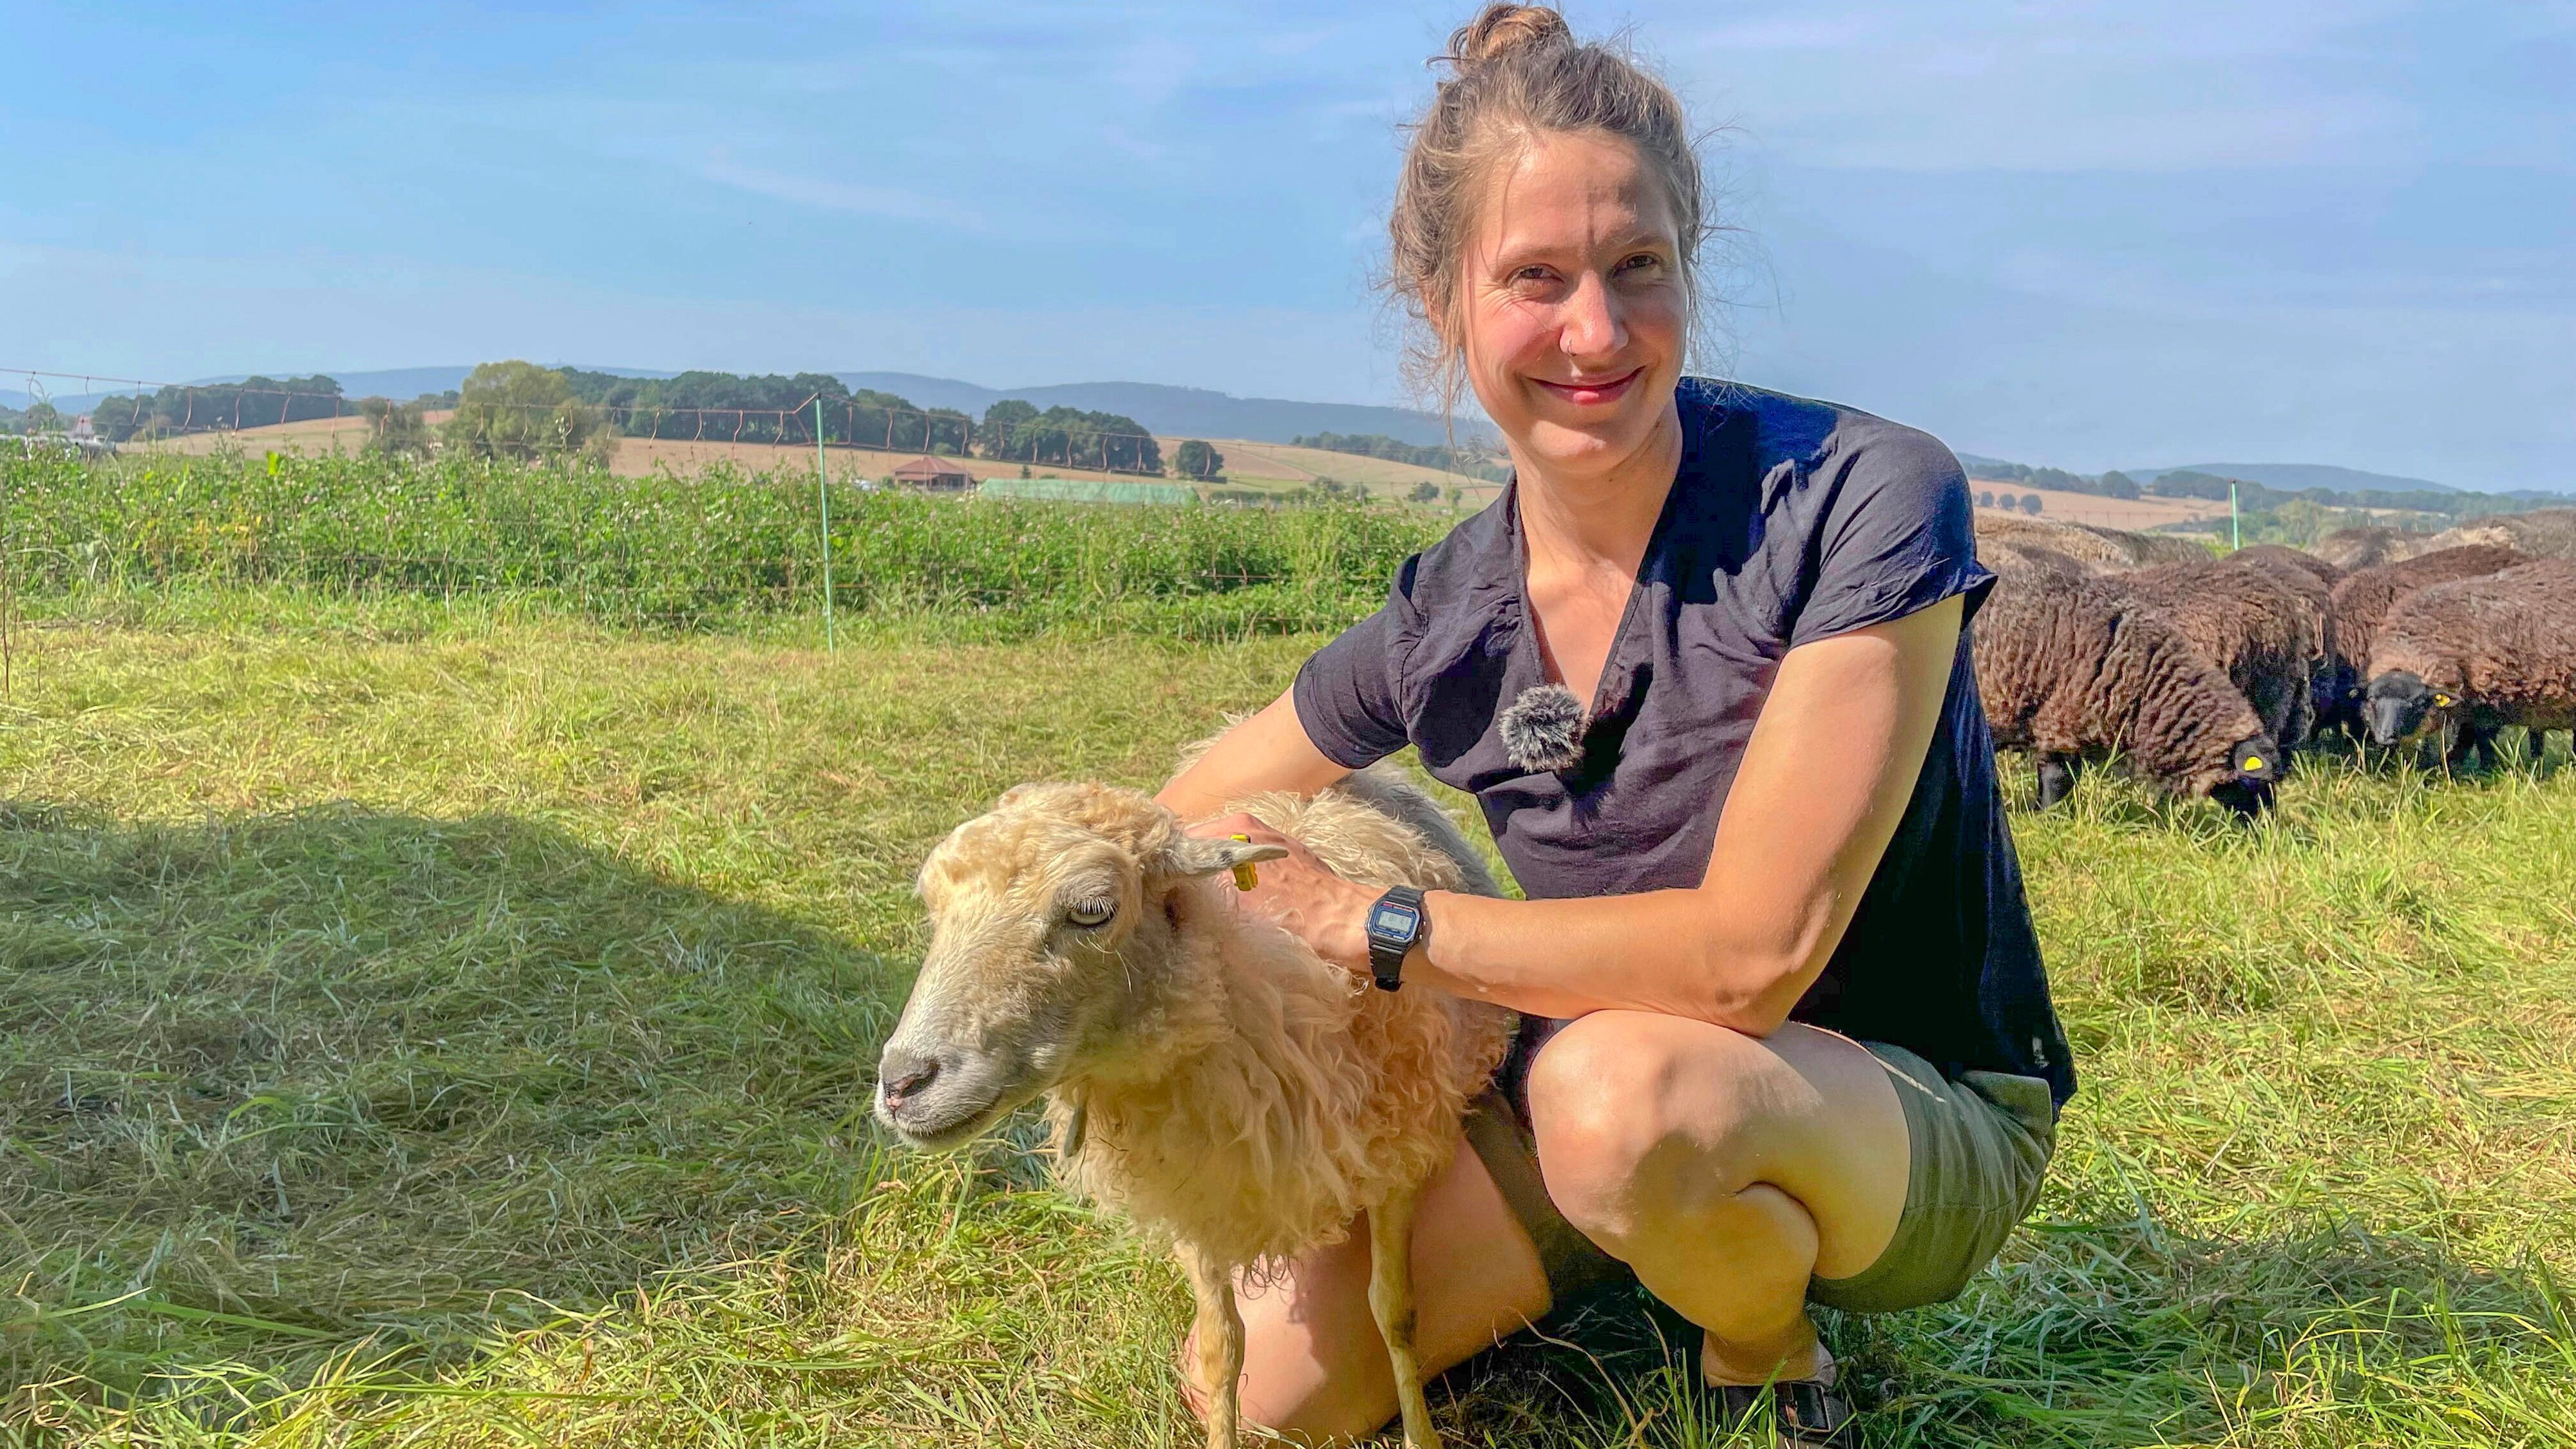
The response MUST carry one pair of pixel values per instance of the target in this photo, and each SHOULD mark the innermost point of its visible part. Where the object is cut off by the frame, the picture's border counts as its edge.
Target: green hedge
(672, 551)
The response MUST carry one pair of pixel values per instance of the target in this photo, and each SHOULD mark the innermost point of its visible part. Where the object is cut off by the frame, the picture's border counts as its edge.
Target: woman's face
(1571, 309)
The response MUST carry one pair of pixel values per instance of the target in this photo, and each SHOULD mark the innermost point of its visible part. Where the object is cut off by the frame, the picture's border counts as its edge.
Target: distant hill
(1184, 411)
(2293, 477)
(399, 383)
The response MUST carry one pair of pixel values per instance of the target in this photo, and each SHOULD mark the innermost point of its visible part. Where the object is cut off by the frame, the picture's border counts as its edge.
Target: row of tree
(1394, 450)
(254, 402)
(518, 409)
(2114, 484)
(2250, 496)
(1991, 498)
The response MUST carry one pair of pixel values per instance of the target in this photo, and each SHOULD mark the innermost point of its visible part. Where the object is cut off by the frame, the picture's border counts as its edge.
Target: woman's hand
(1328, 913)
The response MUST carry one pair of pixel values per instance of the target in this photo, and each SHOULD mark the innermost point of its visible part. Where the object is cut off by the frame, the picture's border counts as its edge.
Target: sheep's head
(2334, 695)
(1055, 927)
(2254, 772)
(2401, 706)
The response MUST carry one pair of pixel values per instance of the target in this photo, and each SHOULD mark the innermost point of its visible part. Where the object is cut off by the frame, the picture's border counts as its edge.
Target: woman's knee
(1617, 1142)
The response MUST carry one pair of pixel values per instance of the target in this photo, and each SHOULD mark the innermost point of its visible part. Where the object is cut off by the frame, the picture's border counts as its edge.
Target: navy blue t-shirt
(1789, 521)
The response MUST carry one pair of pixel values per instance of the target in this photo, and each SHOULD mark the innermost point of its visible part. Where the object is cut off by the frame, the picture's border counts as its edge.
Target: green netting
(1086, 490)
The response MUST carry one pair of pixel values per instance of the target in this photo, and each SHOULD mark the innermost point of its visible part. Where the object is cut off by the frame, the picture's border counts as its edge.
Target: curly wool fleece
(1543, 729)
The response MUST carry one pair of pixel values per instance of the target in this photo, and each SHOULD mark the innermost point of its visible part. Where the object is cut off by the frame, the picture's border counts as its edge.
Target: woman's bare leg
(1724, 1170)
(1315, 1367)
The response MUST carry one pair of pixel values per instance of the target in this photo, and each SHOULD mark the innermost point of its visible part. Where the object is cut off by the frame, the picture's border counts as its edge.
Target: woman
(1788, 1035)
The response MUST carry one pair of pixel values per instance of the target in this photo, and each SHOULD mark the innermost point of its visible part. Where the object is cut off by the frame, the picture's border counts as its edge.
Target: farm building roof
(924, 469)
(1086, 490)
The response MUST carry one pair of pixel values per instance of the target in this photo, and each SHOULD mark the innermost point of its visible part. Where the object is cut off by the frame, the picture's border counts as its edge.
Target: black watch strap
(1397, 923)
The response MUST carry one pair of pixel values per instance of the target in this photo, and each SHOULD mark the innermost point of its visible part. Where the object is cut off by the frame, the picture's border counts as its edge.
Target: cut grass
(452, 1026)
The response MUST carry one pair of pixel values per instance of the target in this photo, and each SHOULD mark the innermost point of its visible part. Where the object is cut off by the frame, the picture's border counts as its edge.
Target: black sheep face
(2401, 706)
(2257, 762)
(2334, 694)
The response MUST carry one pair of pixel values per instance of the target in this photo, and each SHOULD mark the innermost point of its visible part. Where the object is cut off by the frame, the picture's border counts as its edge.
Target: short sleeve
(1895, 537)
(1347, 697)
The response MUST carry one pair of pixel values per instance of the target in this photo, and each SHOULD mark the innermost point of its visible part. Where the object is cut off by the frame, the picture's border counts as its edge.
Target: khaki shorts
(1979, 1149)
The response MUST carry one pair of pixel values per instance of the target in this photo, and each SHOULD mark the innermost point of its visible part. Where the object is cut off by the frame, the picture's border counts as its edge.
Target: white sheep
(1231, 1092)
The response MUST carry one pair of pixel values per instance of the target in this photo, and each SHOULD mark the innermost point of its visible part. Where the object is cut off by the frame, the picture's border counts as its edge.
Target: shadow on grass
(271, 1087)
(2102, 1333)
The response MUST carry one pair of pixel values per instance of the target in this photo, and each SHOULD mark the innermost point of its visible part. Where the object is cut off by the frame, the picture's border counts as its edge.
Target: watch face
(1390, 919)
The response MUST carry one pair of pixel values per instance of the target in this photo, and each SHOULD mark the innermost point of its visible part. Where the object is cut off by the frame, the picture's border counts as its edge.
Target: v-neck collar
(1618, 663)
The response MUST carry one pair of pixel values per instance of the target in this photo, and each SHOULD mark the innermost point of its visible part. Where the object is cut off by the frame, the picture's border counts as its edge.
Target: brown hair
(1517, 72)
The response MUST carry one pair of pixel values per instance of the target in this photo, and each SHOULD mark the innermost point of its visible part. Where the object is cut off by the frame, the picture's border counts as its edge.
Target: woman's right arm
(1269, 751)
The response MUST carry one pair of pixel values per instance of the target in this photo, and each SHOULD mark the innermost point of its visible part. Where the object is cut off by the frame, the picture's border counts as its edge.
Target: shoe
(1803, 1412)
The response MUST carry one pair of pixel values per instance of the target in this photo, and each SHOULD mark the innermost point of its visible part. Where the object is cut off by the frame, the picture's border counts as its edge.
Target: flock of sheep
(2200, 674)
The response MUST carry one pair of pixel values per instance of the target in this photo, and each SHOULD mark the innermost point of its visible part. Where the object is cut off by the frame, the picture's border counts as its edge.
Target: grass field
(2140, 513)
(438, 1024)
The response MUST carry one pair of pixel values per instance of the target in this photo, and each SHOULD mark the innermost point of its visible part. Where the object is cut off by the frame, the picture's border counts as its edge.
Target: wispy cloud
(827, 194)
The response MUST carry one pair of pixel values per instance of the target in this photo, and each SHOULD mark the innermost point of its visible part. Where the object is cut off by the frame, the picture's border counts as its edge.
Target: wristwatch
(1396, 924)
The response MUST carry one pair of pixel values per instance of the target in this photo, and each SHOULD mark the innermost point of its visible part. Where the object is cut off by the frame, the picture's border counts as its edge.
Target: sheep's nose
(902, 1074)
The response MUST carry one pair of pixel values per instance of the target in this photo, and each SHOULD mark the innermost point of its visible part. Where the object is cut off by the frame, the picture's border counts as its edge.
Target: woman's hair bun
(1504, 30)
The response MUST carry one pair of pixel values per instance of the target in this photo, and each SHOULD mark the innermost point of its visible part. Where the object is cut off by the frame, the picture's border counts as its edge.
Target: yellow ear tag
(2441, 701)
(2253, 762)
(1245, 876)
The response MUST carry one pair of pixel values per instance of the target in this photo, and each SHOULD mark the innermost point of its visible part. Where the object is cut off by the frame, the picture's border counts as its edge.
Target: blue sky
(2090, 235)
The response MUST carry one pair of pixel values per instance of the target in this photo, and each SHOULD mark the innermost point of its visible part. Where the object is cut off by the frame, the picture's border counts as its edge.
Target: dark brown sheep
(2470, 657)
(2313, 580)
(2267, 638)
(2078, 669)
(2017, 557)
(2107, 549)
(2280, 558)
(2364, 598)
(2541, 532)
(2350, 549)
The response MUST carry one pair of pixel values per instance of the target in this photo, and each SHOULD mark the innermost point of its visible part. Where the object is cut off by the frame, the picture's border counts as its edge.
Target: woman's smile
(1602, 393)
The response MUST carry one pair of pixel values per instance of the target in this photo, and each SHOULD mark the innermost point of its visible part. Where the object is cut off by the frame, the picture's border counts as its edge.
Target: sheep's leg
(1219, 1335)
(1391, 1302)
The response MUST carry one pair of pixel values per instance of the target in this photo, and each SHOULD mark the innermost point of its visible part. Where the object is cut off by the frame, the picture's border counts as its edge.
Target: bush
(2030, 503)
(394, 429)
(670, 551)
(520, 411)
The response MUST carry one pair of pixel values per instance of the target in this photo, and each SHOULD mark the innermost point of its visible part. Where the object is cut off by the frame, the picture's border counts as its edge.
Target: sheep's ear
(1194, 855)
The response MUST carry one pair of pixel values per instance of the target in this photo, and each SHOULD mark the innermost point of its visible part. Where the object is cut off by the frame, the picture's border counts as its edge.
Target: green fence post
(2235, 530)
(823, 488)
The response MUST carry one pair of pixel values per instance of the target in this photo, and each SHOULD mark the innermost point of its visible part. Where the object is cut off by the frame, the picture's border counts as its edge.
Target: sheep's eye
(1088, 914)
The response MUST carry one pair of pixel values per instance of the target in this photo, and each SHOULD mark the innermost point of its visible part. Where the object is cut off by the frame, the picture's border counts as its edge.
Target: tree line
(253, 402)
(772, 408)
(2251, 497)
(1394, 450)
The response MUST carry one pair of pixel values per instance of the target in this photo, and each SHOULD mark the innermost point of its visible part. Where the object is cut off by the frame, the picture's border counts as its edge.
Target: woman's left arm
(1825, 779)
